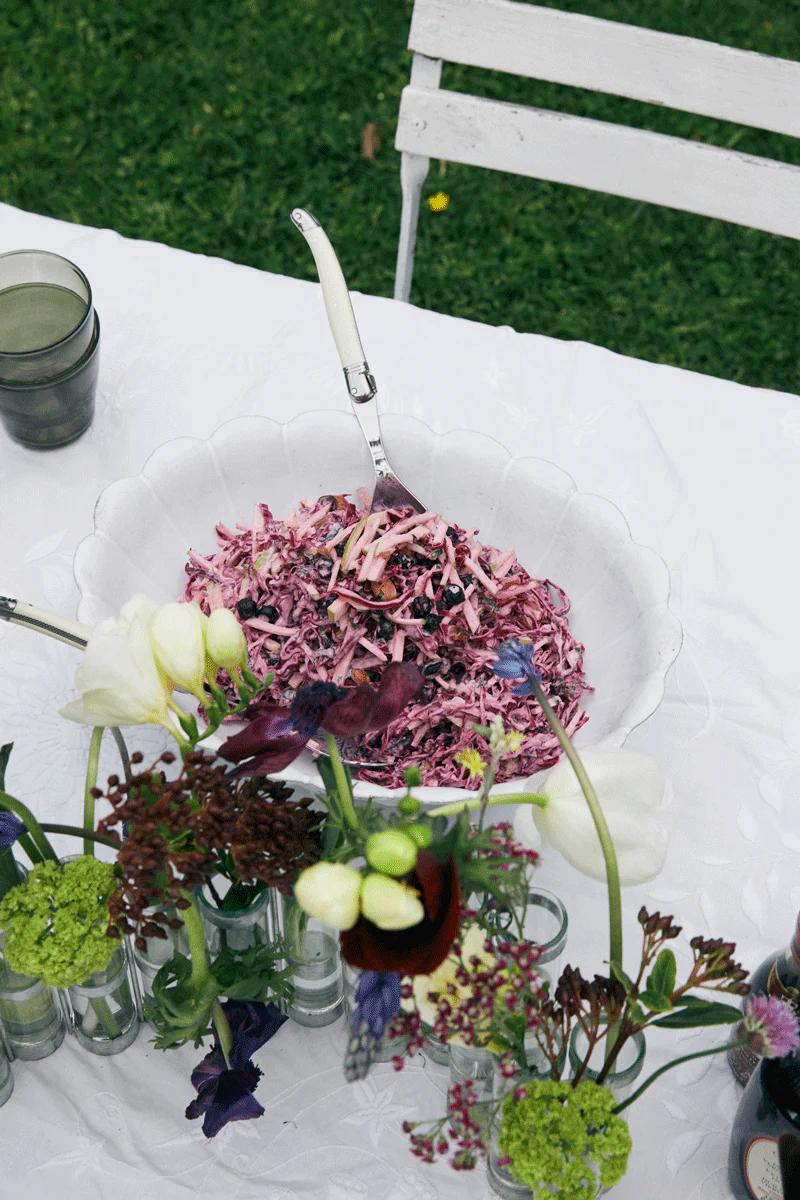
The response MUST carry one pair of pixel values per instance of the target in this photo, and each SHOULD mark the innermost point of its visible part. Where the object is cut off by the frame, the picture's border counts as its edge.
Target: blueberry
(420, 606)
(324, 605)
(426, 693)
(467, 580)
(421, 560)
(436, 580)
(246, 608)
(385, 629)
(432, 668)
(404, 561)
(409, 651)
(452, 595)
(451, 533)
(269, 612)
(432, 624)
(458, 670)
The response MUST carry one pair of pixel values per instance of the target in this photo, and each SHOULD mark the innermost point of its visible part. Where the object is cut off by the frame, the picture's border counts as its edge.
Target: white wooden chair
(605, 56)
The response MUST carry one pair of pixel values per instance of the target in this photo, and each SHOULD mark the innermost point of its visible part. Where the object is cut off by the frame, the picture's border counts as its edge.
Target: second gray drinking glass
(49, 348)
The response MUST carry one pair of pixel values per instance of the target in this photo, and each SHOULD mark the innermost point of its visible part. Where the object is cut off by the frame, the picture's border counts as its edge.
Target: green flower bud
(225, 641)
(421, 834)
(409, 806)
(330, 892)
(412, 776)
(391, 852)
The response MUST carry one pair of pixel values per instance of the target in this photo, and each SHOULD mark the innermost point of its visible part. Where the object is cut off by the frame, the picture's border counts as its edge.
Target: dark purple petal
(311, 704)
(252, 1024)
(209, 1069)
(351, 715)
(11, 828)
(270, 730)
(202, 1101)
(233, 1100)
(399, 685)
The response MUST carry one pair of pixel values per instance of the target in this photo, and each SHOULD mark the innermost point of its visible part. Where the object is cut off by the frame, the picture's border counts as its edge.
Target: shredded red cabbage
(335, 592)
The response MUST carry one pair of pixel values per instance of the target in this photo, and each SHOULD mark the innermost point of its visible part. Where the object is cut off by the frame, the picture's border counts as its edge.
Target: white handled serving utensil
(389, 491)
(17, 612)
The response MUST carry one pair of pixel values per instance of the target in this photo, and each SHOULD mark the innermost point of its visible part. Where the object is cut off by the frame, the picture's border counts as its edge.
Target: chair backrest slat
(608, 56)
(635, 163)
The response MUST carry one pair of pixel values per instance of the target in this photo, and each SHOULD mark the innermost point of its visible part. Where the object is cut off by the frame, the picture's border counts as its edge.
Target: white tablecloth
(707, 472)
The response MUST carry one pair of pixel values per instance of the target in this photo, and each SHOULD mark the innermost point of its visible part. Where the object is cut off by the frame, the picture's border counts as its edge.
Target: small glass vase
(33, 1020)
(235, 929)
(104, 1016)
(156, 952)
(501, 1181)
(473, 1064)
(313, 955)
(6, 1076)
(389, 1047)
(627, 1067)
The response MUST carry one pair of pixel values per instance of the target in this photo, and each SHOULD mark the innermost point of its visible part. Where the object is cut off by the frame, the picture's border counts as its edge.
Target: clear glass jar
(30, 1012)
(313, 954)
(474, 1063)
(6, 1077)
(236, 929)
(158, 951)
(501, 1181)
(104, 1016)
(546, 924)
(389, 1047)
(31, 1015)
(627, 1067)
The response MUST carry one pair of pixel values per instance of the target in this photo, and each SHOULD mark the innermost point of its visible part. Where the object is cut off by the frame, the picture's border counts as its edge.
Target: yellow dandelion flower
(472, 761)
(439, 202)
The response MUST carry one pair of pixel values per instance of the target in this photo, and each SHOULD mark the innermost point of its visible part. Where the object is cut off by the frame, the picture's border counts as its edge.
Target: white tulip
(330, 892)
(631, 787)
(390, 904)
(118, 679)
(176, 635)
(225, 641)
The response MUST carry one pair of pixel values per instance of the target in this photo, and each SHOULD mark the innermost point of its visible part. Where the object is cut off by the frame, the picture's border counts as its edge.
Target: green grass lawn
(201, 123)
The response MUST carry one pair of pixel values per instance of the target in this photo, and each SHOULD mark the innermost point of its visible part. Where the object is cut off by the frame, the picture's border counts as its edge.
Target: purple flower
(225, 1091)
(515, 661)
(275, 735)
(377, 1000)
(773, 1026)
(11, 828)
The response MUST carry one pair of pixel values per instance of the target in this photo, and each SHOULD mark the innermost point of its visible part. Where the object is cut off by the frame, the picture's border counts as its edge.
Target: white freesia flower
(225, 641)
(118, 680)
(330, 892)
(631, 788)
(390, 904)
(176, 635)
(443, 980)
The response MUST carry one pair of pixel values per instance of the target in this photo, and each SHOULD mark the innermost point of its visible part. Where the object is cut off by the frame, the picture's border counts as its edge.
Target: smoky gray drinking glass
(49, 348)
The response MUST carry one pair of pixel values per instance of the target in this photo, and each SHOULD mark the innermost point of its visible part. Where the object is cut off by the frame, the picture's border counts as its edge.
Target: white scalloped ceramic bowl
(143, 527)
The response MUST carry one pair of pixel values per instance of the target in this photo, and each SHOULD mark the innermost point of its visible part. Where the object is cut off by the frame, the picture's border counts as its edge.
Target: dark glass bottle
(778, 975)
(769, 1107)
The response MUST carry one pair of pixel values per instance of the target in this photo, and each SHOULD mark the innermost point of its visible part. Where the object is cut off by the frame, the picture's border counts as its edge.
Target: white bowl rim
(302, 772)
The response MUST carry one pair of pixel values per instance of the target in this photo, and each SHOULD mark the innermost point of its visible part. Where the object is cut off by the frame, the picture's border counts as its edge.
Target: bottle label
(762, 1172)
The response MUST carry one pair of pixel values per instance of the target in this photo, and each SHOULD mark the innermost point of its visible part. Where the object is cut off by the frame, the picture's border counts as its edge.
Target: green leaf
(5, 754)
(655, 1001)
(700, 1012)
(621, 977)
(662, 978)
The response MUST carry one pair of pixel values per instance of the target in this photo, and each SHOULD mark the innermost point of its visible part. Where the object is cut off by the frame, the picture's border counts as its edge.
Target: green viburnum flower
(55, 924)
(560, 1139)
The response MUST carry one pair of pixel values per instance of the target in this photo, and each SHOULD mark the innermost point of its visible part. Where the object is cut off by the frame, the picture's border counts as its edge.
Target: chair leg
(413, 171)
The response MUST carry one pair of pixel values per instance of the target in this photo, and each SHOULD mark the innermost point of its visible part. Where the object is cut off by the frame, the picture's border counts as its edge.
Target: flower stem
(342, 784)
(459, 806)
(104, 1015)
(11, 804)
(600, 824)
(196, 936)
(91, 782)
(87, 835)
(677, 1062)
(223, 1031)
